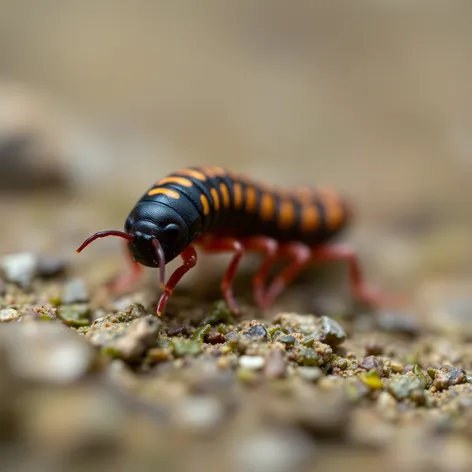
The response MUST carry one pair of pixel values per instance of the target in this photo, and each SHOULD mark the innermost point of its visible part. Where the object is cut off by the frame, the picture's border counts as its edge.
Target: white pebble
(251, 362)
(20, 268)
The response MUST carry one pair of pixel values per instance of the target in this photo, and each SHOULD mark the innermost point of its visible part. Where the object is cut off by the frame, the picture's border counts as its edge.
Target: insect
(220, 211)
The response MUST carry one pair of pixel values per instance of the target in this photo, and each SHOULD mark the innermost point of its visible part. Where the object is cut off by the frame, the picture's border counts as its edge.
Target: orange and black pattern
(212, 200)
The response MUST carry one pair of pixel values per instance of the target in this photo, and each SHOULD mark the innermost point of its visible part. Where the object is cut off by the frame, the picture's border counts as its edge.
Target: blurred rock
(276, 364)
(46, 352)
(50, 266)
(31, 146)
(75, 291)
(20, 268)
(139, 336)
(275, 450)
(8, 314)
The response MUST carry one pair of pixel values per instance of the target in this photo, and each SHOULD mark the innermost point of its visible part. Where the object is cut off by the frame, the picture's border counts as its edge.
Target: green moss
(219, 313)
(200, 333)
(75, 315)
(185, 347)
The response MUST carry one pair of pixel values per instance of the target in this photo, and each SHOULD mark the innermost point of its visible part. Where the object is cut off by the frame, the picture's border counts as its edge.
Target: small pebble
(3, 287)
(48, 352)
(177, 330)
(199, 413)
(288, 340)
(396, 366)
(447, 376)
(372, 380)
(51, 266)
(215, 338)
(20, 268)
(138, 337)
(373, 362)
(407, 386)
(8, 314)
(274, 450)
(251, 362)
(74, 291)
(331, 332)
(310, 374)
(257, 333)
(276, 366)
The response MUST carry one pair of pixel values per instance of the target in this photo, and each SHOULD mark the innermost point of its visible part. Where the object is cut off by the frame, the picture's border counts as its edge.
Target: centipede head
(145, 248)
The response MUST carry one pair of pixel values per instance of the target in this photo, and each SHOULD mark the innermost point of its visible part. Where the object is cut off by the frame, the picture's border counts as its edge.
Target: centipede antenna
(161, 259)
(104, 234)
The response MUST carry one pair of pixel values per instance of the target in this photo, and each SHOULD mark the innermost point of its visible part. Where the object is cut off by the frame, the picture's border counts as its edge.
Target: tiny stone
(373, 362)
(331, 332)
(8, 314)
(276, 366)
(447, 376)
(176, 330)
(3, 287)
(232, 336)
(396, 366)
(310, 374)
(199, 413)
(75, 291)
(288, 340)
(139, 336)
(215, 338)
(51, 266)
(406, 386)
(20, 268)
(251, 362)
(257, 333)
(48, 352)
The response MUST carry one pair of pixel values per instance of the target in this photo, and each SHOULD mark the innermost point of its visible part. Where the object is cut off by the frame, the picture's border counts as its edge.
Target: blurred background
(99, 99)
(374, 98)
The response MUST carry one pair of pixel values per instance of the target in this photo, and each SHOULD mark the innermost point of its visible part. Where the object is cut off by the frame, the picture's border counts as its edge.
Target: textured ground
(88, 381)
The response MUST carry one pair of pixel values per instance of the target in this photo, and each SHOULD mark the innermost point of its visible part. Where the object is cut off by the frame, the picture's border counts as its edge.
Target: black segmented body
(203, 200)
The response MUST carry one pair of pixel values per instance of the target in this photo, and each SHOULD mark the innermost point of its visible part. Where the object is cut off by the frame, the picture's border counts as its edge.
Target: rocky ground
(90, 382)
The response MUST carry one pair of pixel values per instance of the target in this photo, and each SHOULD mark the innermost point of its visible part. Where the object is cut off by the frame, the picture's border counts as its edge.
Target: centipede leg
(124, 282)
(214, 244)
(300, 255)
(189, 258)
(361, 292)
(269, 248)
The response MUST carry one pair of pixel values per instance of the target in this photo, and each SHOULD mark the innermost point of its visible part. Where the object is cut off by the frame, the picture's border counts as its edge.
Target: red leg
(300, 255)
(214, 244)
(360, 290)
(189, 258)
(125, 282)
(269, 248)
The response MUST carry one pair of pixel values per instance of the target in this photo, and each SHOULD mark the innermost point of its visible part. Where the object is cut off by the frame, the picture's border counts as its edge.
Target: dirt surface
(90, 381)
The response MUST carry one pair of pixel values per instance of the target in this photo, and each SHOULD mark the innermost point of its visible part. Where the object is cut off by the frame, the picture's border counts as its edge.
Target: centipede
(217, 211)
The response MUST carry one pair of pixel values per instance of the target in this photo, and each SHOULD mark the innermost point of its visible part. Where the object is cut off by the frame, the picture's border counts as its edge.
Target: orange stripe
(218, 171)
(310, 218)
(334, 213)
(238, 195)
(193, 173)
(176, 180)
(164, 191)
(267, 206)
(224, 191)
(251, 199)
(205, 204)
(286, 214)
(216, 199)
